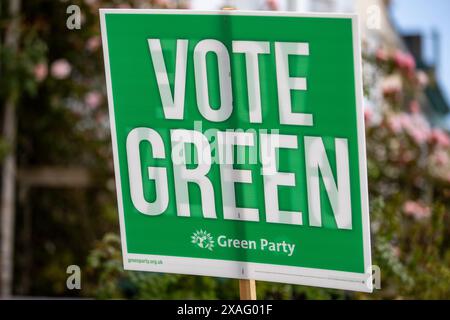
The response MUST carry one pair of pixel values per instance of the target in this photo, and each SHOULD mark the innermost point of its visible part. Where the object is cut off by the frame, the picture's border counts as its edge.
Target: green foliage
(111, 281)
(4, 148)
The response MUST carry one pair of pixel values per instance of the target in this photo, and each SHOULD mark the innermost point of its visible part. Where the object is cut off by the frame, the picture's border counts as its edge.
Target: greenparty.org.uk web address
(145, 261)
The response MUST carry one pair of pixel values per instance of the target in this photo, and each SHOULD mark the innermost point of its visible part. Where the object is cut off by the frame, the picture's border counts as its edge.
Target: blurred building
(439, 108)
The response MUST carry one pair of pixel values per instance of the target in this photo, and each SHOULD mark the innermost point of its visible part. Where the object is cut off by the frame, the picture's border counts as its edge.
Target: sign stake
(247, 289)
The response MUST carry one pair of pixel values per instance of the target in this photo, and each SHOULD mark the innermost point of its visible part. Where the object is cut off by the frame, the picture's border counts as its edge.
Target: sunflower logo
(203, 239)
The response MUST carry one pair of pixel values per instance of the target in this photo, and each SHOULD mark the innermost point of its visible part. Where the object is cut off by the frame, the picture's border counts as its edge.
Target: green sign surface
(239, 146)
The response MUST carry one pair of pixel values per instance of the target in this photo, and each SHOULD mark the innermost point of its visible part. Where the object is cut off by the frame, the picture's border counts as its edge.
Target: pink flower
(422, 77)
(417, 127)
(410, 62)
(442, 158)
(61, 69)
(419, 136)
(399, 59)
(162, 4)
(414, 106)
(414, 125)
(391, 91)
(407, 121)
(367, 115)
(440, 138)
(405, 61)
(40, 71)
(93, 43)
(395, 123)
(93, 99)
(416, 210)
(406, 156)
(381, 55)
(391, 87)
(272, 4)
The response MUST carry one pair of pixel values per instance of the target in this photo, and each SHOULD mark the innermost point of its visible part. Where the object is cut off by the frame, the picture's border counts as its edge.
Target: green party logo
(203, 239)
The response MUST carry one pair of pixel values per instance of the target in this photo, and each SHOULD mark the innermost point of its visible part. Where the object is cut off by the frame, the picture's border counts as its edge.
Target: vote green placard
(239, 145)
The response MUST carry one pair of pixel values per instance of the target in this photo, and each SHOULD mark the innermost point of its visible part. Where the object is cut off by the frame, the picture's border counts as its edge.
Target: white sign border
(248, 270)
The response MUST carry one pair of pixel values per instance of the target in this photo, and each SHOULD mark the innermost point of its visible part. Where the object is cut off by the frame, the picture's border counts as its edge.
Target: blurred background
(57, 191)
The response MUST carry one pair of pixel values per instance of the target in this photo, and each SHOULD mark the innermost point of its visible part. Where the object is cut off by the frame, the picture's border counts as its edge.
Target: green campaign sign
(239, 145)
